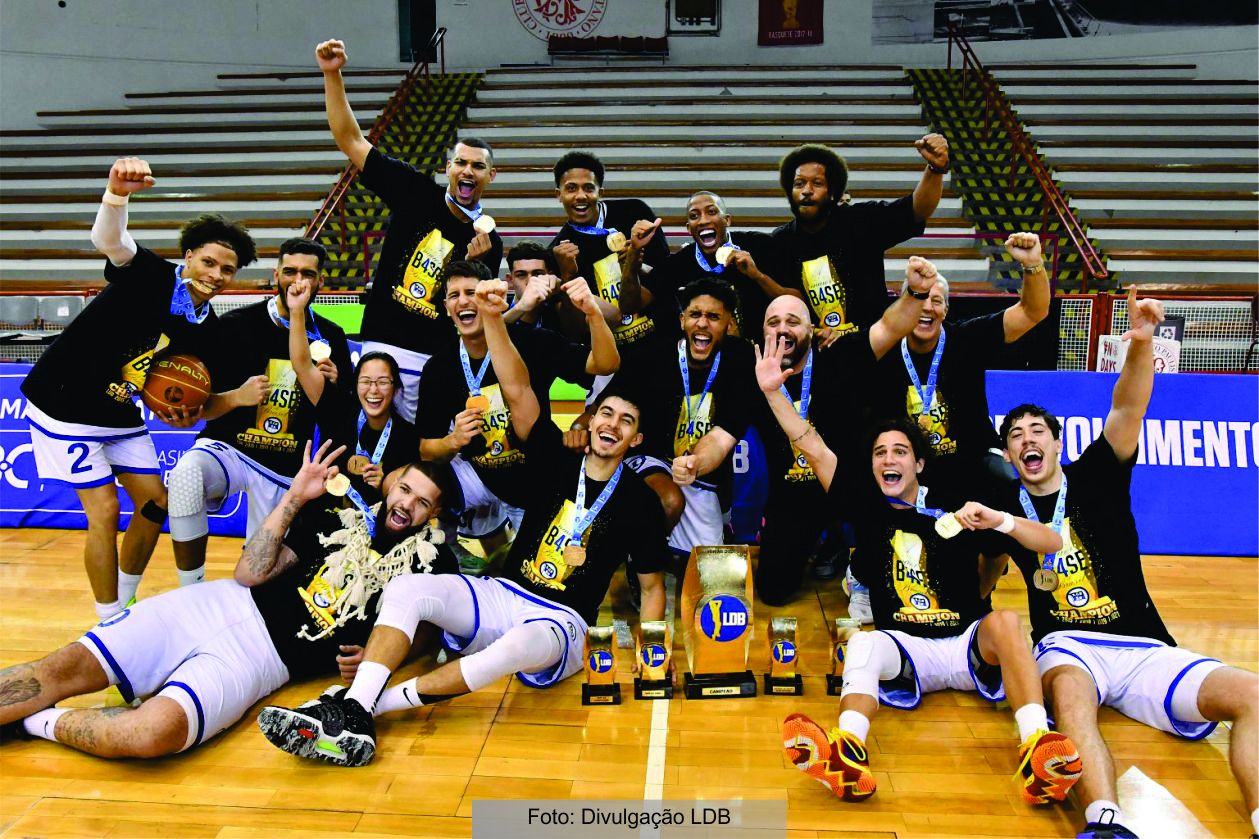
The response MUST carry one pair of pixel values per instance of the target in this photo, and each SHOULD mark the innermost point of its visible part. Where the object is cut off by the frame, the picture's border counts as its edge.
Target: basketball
(176, 381)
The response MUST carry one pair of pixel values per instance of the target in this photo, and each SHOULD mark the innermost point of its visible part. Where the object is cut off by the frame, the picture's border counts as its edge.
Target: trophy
(717, 622)
(600, 687)
(783, 652)
(845, 628)
(655, 644)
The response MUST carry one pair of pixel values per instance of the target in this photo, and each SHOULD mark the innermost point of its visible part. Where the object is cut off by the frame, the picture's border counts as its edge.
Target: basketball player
(533, 276)
(85, 429)
(826, 387)
(428, 228)
(833, 251)
(1099, 638)
(256, 450)
(936, 629)
(466, 421)
(588, 514)
(204, 654)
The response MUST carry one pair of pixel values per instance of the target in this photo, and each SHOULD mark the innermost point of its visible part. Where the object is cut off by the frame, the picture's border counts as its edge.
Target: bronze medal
(358, 464)
(574, 555)
(478, 402)
(1045, 580)
(616, 242)
(924, 422)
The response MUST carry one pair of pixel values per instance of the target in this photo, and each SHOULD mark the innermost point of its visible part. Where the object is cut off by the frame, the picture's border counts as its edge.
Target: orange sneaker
(1049, 764)
(838, 760)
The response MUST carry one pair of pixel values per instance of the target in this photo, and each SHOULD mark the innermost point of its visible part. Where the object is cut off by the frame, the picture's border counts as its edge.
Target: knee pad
(522, 649)
(185, 499)
(407, 600)
(870, 658)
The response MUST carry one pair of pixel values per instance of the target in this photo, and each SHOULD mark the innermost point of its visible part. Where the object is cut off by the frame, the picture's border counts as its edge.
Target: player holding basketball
(85, 429)
(1099, 638)
(936, 628)
(300, 356)
(587, 516)
(305, 582)
(428, 228)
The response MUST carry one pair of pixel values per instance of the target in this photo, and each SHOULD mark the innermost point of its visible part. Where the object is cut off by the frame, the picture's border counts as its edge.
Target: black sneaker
(826, 566)
(1110, 830)
(329, 728)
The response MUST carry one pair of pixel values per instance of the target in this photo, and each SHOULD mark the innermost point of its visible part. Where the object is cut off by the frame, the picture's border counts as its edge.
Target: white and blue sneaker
(858, 600)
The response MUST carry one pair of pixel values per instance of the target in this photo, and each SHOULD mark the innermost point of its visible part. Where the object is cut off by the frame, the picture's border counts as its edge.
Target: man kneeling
(206, 653)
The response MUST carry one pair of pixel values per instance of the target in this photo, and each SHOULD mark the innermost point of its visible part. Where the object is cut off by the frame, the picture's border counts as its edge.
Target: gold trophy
(845, 628)
(600, 687)
(654, 648)
(717, 622)
(782, 677)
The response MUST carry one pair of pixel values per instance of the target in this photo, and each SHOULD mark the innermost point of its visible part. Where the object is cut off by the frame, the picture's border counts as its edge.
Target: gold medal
(948, 526)
(1045, 580)
(337, 485)
(616, 241)
(924, 422)
(358, 464)
(483, 224)
(320, 351)
(723, 254)
(478, 402)
(574, 555)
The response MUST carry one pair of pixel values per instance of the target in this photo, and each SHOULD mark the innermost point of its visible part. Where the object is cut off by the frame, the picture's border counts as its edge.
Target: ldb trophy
(654, 649)
(600, 687)
(845, 628)
(717, 622)
(783, 677)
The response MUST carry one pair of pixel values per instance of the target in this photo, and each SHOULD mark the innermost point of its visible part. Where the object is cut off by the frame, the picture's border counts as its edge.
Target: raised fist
(129, 175)
(331, 56)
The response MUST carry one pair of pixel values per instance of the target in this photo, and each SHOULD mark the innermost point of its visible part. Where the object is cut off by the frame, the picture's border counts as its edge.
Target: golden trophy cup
(845, 628)
(784, 652)
(600, 687)
(654, 650)
(717, 622)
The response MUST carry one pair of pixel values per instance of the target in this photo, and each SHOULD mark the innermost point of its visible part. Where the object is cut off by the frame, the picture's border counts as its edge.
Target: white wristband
(115, 200)
(1007, 523)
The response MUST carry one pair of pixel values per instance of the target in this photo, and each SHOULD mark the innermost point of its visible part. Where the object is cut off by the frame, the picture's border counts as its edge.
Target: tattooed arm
(265, 555)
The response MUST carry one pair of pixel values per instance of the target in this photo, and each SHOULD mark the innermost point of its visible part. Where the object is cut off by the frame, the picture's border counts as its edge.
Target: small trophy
(655, 644)
(717, 622)
(845, 628)
(782, 676)
(600, 687)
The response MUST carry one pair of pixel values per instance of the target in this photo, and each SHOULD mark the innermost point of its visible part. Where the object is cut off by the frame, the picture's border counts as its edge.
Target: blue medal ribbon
(598, 229)
(1060, 513)
(703, 262)
(926, 394)
(920, 505)
(369, 518)
(181, 301)
(686, 384)
(473, 214)
(804, 388)
(273, 308)
(379, 452)
(474, 382)
(584, 517)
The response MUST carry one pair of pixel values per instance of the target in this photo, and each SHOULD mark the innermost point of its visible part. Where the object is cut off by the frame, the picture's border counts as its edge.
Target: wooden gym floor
(943, 769)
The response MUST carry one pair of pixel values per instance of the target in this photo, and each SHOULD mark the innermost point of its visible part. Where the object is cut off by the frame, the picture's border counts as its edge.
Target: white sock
(107, 610)
(1030, 719)
(399, 698)
(42, 723)
(855, 723)
(127, 585)
(1103, 811)
(1254, 820)
(189, 578)
(371, 678)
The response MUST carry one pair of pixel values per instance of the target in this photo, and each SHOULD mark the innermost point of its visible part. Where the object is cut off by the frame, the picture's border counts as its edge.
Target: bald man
(825, 386)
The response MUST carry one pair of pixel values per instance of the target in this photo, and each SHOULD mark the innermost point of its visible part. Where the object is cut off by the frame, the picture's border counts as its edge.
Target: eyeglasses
(380, 384)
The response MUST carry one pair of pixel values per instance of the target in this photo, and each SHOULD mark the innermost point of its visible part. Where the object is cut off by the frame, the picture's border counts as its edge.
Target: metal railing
(394, 110)
(994, 103)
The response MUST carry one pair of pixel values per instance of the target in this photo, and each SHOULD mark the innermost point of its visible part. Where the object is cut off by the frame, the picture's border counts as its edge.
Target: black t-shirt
(630, 528)
(301, 597)
(404, 308)
(274, 432)
(1101, 587)
(90, 373)
(495, 453)
(602, 269)
(840, 269)
(920, 582)
(402, 448)
(959, 408)
(654, 375)
(682, 268)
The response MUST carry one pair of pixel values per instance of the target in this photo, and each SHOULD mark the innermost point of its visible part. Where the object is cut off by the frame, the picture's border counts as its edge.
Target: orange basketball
(176, 381)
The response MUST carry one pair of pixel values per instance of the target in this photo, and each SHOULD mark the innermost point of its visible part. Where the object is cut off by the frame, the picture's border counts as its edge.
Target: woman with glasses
(383, 440)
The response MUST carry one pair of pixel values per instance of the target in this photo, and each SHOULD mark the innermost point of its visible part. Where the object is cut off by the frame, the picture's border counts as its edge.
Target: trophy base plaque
(784, 686)
(719, 685)
(834, 684)
(653, 688)
(601, 694)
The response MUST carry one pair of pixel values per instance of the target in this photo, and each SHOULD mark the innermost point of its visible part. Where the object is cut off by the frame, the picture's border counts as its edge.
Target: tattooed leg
(158, 727)
(27, 688)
